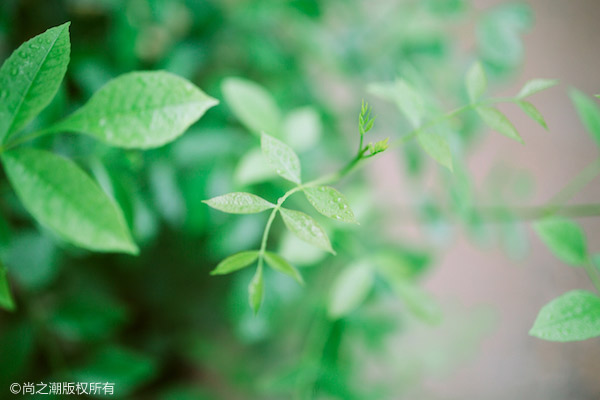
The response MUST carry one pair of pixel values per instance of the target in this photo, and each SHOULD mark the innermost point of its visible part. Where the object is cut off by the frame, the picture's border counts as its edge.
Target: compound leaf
(235, 262)
(571, 317)
(330, 202)
(476, 81)
(498, 122)
(139, 110)
(31, 76)
(239, 203)
(564, 238)
(306, 229)
(64, 198)
(278, 263)
(281, 158)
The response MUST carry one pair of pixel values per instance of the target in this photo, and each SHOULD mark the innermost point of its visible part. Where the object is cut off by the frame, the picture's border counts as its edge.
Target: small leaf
(406, 97)
(31, 76)
(571, 317)
(253, 105)
(239, 203)
(498, 122)
(306, 229)
(588, 112)
(235, 262)
(64, 198)
(6, 300)
(302, 128)
(281, 158)
(330, 202)
(564, 238)
(139, 110)
(350, 289)
(256, 289)
(278, 263)
(476, 81)
(379, 147)
(437, 147)
(533, 112)
(536, 85)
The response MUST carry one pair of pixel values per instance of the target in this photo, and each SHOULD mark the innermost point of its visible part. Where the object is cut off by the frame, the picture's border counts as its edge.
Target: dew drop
(14, 71)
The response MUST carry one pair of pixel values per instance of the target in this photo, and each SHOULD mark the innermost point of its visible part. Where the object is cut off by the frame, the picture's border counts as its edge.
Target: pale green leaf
(533, 112)
(306, 229)
(588, 112)
(350, 289)
(252, 105)
(256, 289)
(330, 202)
(302, 128)
(406, 97)
(235, 262)
(62, 197)
(281, 158)
(139, 110)
(419, 302)
(571, 317)
(31, 76)
(253, 168)
(239, 203)
(536, 85)
(6, 300)
(498, 122)
(437, 147)
(278, 263)
(564, 238)
(476, 81)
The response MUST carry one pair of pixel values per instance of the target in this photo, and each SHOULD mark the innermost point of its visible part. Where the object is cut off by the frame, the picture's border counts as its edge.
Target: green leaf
(564, 238)
(302, 128)
(498, 122)
(253, 168)
(419, 302)
(278, 263)
(533, 112)
(30, 78)
(6, 300)
(536, 85)
(239, 203)
(139, 110)
(476, 81)
(62, 197)
(588, 112)
(306, 229)
(330, 202)
(235, 262)
(571, 317)
(253, 105)
(350, 289)
(256, 289)
(406, 97)
(281, 158)
(437, 147)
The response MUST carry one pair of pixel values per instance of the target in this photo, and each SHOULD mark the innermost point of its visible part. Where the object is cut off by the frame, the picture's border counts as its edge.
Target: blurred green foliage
(157, 324)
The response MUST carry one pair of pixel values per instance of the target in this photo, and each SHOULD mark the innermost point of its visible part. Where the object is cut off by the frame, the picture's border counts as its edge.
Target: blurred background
(160, 327)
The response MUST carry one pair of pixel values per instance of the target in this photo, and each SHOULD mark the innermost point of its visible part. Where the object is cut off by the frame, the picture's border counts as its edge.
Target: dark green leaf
(64, 198)
(139, 110)
(30, 78)
(306, 229)
(278, 263)
(235, 262)
(571, 317)
(239, 203)
(330, 202)
(564, 238)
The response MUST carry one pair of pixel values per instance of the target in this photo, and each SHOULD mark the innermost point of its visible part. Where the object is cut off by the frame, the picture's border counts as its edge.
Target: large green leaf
(573, 316)
(239, 203)
(281, 158)
(6, 300)
(235, 262)
(253, 105)
(350, 289)
(330, 202)
(588, 112)
(498, 122)
(564, 238)
(64, 198)
(306, 229)
(30, 78)
(139, 110)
